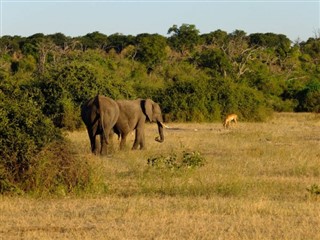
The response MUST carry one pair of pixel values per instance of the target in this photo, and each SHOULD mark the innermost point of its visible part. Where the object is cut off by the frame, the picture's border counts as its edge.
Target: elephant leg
(96, 145)
(139, 140)
(106, 138)
(106, 148)
(93, 142)
(142, 141)
(103, 144)
(111, 145)
(135, 143)
(123, 141)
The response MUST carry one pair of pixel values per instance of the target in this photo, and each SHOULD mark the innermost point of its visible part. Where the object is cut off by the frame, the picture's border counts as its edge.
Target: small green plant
(163, 161)
(314, 190)
(173, 161)
(192, 159)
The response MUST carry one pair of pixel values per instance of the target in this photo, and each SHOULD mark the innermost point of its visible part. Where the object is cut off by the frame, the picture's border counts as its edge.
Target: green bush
(186, 97)
(34, 156)
(61, 95)
(173, 161)
(309, 97)
(24, 132)
(79, 81)
(192, 159)
(314, 191)
(251, 104)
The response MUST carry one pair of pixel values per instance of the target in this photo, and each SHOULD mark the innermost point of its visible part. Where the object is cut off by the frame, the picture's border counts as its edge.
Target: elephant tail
(105, 136)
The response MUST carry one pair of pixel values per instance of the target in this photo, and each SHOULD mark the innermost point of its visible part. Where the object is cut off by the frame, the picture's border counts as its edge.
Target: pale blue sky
(295, 19)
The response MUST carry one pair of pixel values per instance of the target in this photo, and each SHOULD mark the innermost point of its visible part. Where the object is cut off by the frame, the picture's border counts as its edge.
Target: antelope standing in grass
(229, 118)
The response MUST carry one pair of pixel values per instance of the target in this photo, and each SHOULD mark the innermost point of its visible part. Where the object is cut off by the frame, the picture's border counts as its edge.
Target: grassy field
(253, 185)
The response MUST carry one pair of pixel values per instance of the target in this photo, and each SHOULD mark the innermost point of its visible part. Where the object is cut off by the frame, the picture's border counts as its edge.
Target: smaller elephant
(100, 114)
(133, 115)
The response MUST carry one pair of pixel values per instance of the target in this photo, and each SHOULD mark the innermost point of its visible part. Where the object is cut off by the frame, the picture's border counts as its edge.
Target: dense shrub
(251, 104)
(79, 81)
(34, 157)
(210, 99)
(24, 132)
(184, 101)
(309, 97)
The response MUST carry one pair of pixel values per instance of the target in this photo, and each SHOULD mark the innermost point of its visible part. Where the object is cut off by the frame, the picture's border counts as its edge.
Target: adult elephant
(100, 114)
(133, 115)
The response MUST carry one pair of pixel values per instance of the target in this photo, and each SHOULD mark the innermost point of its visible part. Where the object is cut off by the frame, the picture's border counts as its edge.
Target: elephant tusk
(163, 125)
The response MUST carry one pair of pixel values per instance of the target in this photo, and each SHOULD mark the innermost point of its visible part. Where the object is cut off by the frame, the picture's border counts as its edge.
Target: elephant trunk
(160, 129)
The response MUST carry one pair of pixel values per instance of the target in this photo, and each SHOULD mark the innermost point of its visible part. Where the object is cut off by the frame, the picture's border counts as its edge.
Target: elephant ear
(148, 109)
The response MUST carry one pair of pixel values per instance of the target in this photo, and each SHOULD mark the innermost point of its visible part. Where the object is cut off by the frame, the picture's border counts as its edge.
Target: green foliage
(118, 42)
(79, 81)
(62, 96)
(24, 132)
(192, 159)
(311, 48)
(59, 39)
(215, 61)
(169, 162)
(173, 161)
(279, 42)
(184, 38)
(94, 40)
(314, 190)
(185, 97)
(182, 99)
(217, 38)
(34, 158)
(309, 97)
(251, 104)
(70, 70)
(151, 49)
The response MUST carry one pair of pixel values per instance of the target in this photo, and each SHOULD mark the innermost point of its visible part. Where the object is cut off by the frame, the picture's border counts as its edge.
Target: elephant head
(153, 113)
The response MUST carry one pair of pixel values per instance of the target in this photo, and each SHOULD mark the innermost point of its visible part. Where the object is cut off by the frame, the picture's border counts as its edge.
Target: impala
(229, 119)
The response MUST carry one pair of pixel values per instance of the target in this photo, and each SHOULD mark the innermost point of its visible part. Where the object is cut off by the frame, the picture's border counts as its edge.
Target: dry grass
(252, 186)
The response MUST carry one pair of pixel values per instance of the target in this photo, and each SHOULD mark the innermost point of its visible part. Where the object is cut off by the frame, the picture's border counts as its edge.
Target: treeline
(194, 77)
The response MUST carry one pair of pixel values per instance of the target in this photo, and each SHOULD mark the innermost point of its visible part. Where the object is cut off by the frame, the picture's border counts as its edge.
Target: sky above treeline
(298, 20)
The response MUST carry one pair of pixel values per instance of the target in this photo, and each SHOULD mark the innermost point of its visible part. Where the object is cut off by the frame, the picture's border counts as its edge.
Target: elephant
(133, 115)
(100, 114)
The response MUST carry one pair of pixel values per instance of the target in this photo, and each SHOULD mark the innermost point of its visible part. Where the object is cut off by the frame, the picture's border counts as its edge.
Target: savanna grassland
(253, 185)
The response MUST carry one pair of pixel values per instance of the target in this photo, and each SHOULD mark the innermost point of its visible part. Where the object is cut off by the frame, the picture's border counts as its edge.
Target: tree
(184, 38)
(215, 61)
(60, 40)
(309, 97)
(151, 49)
(9, 44)
(312, 48)
(217, 38)
(279, 42)
(118, 42)
(94, 40)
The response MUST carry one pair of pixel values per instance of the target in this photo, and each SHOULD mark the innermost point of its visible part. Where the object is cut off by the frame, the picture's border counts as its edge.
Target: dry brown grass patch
(252, 186)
